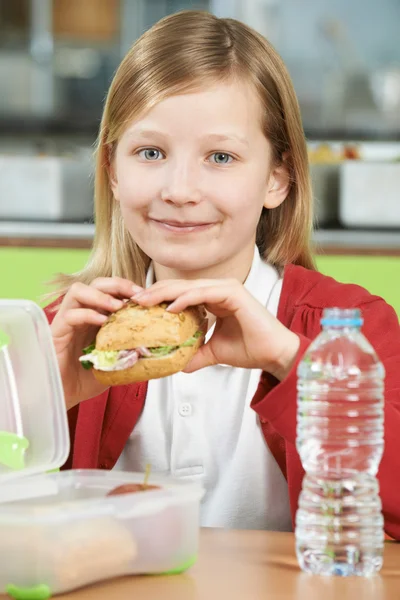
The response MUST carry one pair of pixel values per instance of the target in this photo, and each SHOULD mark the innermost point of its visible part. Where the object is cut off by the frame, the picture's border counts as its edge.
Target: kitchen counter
(80, 235)
(46, 234)
(357, 242)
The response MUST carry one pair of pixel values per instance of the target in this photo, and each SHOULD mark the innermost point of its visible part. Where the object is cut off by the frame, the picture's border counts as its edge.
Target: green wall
(24, 271)
(378, 274)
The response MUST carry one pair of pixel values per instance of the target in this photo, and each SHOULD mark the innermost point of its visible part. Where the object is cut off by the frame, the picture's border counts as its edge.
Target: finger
(214, 298)
(80, 295)
(162, 284)
(117, 286)
(204, 357)
(79, 317)
(177, 289)
(163, 290)
(179, 286)
(189, 283)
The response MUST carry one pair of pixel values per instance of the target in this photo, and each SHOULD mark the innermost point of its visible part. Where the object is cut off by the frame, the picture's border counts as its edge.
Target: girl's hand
(246, 334)
(83, 310)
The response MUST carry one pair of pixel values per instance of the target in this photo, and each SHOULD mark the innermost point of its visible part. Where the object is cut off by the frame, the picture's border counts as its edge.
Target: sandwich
(138, 343)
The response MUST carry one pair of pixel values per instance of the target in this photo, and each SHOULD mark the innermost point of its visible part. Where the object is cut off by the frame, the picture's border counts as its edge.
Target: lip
(181, 227)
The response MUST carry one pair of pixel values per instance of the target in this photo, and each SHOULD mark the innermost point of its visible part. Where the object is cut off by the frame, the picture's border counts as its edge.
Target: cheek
(242, 200)
(135, 188)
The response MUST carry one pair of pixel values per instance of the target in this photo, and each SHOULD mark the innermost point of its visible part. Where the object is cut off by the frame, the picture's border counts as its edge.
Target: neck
(237, 267)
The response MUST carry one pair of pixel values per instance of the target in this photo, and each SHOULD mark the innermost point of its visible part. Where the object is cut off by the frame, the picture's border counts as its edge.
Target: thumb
(204, 357)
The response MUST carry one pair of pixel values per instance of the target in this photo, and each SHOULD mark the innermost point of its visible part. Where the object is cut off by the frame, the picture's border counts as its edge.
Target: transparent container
(33, 424)
(339, 523)
(60, 530)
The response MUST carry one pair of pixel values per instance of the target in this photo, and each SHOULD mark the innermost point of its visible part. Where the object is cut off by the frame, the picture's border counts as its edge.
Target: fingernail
(137, 289)
(138, 295)
(117, 303)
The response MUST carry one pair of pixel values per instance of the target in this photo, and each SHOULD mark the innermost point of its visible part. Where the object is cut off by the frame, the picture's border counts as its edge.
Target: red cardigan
(100, 427)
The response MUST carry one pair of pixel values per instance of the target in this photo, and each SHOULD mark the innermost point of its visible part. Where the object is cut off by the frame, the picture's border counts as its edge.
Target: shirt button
(185, 409)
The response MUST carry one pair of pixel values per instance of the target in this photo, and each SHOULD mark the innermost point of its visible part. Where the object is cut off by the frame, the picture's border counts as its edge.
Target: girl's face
(192, 176)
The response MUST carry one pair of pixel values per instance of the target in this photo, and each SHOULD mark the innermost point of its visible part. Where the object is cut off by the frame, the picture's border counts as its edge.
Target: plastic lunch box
(58, 530)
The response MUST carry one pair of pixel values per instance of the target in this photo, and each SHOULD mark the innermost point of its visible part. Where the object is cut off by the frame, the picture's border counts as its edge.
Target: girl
(203, 196)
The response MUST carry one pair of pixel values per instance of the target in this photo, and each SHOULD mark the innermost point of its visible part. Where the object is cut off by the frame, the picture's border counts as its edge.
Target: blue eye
(151, 154)
(221, 158)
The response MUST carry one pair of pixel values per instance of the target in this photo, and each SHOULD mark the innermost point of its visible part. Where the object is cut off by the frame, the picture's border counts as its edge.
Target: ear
(112, 175)
(113, 182)
(278, 184)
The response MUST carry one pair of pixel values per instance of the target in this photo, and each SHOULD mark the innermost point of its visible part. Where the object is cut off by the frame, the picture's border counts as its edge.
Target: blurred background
(57, 58)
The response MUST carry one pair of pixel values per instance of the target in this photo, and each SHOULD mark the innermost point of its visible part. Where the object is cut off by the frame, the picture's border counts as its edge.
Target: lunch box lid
(34, 436)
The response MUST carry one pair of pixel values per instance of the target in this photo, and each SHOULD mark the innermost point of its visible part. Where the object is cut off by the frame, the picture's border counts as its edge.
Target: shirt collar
(150, 276)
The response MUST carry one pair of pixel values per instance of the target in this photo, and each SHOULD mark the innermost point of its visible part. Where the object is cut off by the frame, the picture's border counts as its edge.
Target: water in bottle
(339, 524)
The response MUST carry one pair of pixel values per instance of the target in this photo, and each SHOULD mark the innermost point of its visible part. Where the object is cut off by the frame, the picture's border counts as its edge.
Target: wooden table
(250, 565)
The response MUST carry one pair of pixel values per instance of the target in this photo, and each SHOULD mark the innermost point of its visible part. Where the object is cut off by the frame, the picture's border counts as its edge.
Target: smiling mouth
(181, 227)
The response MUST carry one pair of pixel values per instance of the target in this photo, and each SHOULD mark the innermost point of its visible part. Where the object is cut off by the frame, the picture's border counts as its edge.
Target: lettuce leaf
(191, 341)
(89, 349)
(165, 350)
(162, 351)
(86, 364)
(109, 357)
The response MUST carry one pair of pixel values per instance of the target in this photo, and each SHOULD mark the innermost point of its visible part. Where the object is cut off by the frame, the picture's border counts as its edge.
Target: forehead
(230, 105)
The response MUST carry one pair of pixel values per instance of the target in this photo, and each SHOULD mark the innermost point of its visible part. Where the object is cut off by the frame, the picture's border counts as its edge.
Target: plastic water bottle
(339, 524)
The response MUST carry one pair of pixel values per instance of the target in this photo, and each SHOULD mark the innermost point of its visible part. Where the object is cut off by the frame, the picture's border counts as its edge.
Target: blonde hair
(181, 53)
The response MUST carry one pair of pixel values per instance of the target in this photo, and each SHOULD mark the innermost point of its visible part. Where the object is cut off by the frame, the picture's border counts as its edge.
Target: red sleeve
(72, 415)
(276, 401)
(50, 311)
(382, 329)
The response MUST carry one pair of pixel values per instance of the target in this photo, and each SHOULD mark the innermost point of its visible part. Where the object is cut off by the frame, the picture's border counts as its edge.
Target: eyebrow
(220, 137)
(216, 137)
(145, 133)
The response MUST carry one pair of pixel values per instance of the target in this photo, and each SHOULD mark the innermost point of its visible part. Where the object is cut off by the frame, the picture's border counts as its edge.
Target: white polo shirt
(200, 426)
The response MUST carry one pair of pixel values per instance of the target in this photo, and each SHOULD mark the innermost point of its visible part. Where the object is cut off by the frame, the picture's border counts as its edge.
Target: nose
(181, 185)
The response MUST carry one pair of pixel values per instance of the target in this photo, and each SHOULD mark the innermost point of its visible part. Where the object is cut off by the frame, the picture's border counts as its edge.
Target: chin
(183, 259)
